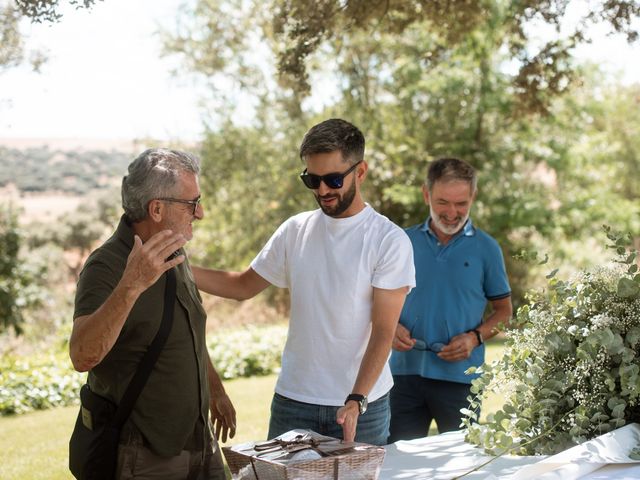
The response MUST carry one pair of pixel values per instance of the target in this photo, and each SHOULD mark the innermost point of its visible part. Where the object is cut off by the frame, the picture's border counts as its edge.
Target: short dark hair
(450, 168)
(331, 135)
(153, 174)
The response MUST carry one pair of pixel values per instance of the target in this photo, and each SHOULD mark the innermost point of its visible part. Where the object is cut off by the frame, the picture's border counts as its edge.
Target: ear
(155, 210)
(425, 194)
(361, 171)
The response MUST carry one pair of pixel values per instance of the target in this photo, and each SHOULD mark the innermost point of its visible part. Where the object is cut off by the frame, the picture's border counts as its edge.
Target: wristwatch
(478, 335)
(361, 399)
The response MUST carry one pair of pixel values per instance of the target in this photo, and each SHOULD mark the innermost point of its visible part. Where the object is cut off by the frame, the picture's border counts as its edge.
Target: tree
(16, 281)
(418, 91)
(11, 48)
(304, 26)
(77, 234)
(11, 12)
(48, 10)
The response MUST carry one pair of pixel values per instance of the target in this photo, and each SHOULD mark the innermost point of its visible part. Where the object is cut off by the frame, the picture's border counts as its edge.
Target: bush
(571, 371)
(37, 383)
(247, 352)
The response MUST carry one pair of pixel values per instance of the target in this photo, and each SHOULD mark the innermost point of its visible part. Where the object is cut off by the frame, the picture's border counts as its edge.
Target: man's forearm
(385, 312)
(373, 361)
(94, 335)
(217, 282)
(234, 285)
(501, 316)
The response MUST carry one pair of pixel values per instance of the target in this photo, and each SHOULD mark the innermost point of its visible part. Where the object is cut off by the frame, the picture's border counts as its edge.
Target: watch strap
(354, 396)
(478, 335)
(361, 400)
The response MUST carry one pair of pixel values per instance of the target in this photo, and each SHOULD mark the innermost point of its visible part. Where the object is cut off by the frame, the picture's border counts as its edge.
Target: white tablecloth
(447, 456)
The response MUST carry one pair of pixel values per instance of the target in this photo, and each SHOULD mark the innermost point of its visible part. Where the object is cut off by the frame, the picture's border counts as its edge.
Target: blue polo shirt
(453, 284)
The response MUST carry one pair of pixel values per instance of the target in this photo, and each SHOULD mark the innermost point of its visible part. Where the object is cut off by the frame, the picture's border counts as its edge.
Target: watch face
(363, 405)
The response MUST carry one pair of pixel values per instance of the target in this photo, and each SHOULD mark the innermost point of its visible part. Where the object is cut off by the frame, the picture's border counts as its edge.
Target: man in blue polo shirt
(459, 268)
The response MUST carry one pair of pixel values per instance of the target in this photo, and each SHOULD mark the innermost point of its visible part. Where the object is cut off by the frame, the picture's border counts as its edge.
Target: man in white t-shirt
(348, 270)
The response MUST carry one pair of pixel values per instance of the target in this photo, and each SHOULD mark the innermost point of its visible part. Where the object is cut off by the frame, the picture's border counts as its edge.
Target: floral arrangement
(571, 367)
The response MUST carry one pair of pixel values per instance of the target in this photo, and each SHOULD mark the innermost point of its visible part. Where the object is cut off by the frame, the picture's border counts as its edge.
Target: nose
(323, 189)
(199, 213)
(451, 212)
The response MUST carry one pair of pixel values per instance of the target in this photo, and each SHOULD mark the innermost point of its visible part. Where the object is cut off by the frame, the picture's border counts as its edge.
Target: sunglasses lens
(419, 345)
(310, 181)
(333, 181)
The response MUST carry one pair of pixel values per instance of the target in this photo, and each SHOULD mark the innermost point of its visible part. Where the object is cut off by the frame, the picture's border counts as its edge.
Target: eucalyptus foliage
(571, 369)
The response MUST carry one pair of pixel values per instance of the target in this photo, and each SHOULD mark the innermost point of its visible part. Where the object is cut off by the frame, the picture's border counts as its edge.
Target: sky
(105, 77)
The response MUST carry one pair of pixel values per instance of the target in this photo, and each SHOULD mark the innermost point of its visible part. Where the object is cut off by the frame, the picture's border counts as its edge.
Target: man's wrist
(360, 400)
(478, 335)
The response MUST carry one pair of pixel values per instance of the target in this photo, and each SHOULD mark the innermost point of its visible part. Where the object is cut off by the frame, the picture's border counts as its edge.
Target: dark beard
(344, 201)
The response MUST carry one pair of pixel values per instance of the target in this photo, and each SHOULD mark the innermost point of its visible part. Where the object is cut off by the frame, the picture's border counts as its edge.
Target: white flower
(602, 320)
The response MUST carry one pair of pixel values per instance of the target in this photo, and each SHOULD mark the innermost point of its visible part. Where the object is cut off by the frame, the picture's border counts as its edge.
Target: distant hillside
(41, 169)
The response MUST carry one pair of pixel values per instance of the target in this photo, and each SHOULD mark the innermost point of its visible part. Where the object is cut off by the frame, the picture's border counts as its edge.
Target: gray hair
(154, 174)
(449, 169)
(331, 135)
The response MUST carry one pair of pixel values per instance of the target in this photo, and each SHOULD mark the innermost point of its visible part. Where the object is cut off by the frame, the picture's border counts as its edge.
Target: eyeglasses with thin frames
(331, 180)
(195, 202)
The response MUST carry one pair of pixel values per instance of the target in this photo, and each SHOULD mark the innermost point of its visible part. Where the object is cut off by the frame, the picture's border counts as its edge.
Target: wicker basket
(279, 459)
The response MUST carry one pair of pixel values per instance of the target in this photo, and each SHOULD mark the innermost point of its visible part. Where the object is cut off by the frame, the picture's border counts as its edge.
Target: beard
(344, 201)
(446, 228)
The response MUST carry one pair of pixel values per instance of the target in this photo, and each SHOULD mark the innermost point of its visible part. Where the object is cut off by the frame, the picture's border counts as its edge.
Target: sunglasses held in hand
(433, 347)
(331, 180)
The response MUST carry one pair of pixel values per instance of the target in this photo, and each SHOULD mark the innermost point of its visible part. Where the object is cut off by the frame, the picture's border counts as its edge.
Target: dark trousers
(416, 401)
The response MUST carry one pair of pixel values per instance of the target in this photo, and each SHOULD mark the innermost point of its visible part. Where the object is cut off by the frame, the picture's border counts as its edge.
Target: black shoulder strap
(153, 352)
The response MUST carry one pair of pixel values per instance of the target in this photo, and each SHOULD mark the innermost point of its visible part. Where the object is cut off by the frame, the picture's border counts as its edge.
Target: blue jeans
(287, 414)
(416, 401)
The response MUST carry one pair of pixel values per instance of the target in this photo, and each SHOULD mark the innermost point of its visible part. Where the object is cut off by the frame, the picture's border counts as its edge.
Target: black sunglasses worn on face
(194, 202)
(331, 180)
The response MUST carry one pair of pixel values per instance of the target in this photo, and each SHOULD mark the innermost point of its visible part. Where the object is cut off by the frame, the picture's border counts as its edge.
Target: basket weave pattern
(340, 461)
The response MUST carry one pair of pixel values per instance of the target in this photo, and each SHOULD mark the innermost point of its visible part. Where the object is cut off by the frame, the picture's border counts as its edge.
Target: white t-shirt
(330, 266)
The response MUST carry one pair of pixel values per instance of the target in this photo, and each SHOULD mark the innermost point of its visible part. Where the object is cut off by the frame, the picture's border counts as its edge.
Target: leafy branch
(515, 447)
(572, 363)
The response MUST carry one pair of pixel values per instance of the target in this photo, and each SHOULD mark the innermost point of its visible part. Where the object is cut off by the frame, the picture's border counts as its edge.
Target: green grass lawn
(34, 446)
